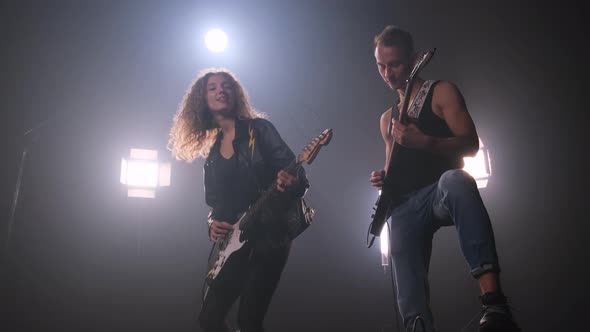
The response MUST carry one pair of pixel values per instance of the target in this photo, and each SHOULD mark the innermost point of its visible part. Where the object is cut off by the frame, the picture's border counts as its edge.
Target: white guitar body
(223, 249)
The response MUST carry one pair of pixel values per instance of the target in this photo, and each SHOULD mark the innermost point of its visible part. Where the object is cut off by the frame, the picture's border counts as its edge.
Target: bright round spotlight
(216, 40)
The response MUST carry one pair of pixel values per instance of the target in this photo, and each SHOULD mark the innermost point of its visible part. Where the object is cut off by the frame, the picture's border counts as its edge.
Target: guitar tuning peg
(373, 215)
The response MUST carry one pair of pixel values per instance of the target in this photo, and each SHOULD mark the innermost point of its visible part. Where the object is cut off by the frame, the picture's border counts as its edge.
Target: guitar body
(401, 162)
(383, 208)
(223, 249)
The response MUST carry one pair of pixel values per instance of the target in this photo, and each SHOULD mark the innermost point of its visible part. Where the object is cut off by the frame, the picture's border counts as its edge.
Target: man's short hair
(395, 36)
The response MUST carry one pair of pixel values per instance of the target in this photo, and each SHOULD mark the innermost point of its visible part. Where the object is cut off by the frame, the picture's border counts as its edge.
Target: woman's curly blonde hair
(193, 129)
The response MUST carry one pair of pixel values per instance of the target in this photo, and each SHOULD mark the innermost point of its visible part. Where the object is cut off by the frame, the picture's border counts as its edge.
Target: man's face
(220, 95)
(394, 65)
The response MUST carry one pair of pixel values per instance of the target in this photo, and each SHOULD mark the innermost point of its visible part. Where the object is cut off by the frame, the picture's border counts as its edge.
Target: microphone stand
(30, 136)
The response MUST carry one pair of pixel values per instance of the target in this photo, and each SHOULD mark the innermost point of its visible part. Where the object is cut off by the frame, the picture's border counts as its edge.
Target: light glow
(384, 246)
(479, 166)
(216, 40)
(143, 173)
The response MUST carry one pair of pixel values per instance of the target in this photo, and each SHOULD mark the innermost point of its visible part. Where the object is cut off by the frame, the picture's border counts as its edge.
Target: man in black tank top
(436, 192)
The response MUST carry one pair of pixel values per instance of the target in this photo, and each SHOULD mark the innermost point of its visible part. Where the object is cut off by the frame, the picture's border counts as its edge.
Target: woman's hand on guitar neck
(219, 229)
(285, 180)
(377, 178)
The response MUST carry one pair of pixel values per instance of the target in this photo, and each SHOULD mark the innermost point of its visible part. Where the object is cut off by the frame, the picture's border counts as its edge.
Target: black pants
(251, 273)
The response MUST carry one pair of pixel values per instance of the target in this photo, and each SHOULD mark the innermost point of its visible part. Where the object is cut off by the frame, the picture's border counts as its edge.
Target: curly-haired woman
(244, 155)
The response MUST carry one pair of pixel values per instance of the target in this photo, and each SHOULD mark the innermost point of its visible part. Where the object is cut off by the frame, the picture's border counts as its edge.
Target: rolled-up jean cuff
(485, 268)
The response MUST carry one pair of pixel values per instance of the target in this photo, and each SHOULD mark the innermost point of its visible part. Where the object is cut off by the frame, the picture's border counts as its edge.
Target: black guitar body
(404, 161)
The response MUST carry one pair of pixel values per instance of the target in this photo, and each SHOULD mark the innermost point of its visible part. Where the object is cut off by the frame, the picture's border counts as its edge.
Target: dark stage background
(104, 76)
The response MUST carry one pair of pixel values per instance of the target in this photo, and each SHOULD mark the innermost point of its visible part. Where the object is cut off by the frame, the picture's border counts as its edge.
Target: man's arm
(448, 104)
(387, 138)
(377, 176)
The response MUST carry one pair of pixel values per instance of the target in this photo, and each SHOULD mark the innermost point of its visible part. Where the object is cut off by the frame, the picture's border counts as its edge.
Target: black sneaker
(497, 316)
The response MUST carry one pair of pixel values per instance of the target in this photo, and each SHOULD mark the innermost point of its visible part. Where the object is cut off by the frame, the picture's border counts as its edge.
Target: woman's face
(221, 97)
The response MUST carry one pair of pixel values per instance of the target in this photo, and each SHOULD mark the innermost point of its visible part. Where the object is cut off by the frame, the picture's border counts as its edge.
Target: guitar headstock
(312, 149)
(421, 62)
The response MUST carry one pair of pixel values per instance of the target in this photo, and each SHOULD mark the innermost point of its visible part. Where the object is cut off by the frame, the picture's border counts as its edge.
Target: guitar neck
(404, 111)
(402, 118)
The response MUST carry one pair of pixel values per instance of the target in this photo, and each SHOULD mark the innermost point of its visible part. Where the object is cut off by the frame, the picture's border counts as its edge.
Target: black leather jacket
(261, 154)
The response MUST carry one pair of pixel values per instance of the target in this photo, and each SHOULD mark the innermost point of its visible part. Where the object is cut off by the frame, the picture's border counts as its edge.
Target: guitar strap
(416, 108)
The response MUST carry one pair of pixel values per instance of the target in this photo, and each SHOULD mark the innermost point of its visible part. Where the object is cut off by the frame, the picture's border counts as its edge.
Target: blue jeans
(453, 200)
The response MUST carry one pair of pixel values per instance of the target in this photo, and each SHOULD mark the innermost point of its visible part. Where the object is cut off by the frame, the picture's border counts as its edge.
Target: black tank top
(427, 167)
(233, 198)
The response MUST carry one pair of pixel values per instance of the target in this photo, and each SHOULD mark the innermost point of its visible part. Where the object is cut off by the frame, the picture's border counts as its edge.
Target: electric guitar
(396, 167)
(236, 237)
